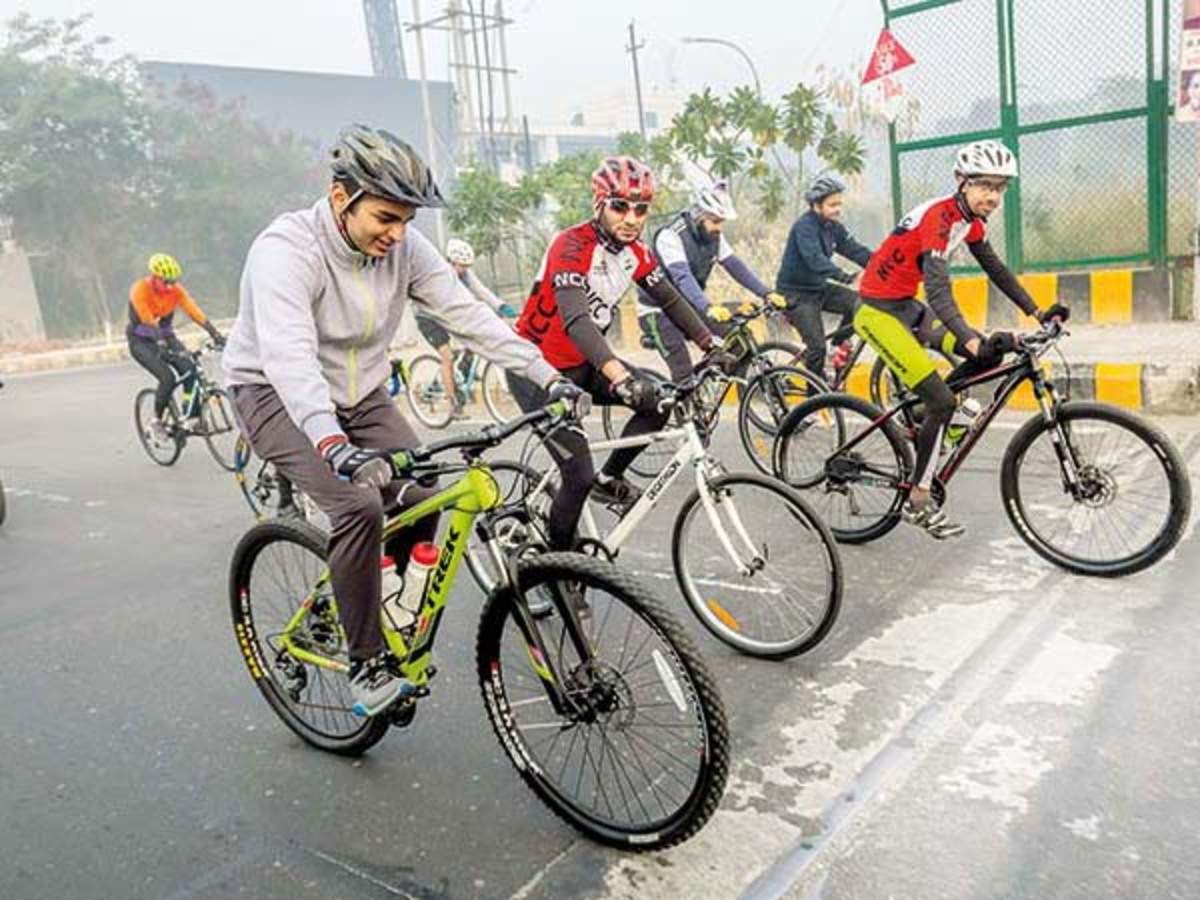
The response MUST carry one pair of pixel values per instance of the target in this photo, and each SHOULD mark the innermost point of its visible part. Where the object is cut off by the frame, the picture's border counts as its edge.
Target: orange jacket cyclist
(896, 324)
(151, 332)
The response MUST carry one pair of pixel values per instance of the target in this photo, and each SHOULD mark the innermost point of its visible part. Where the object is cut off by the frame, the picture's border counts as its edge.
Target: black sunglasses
(621, 207)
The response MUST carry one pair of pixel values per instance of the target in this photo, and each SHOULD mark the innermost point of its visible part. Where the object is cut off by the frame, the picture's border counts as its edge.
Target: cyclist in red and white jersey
(899, 326)
(584, 273)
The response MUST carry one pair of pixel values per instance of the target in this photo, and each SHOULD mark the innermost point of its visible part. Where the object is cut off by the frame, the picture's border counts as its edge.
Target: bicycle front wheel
(848, 469)
(497, 398)
(1116, 505)
(768, 398)
(220, 432)
(756, 565)
(163, 450)
(428, 398)
(277, 567)
(638, 755)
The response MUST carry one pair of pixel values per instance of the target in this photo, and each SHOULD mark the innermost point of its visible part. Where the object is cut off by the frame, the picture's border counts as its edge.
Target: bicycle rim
(163, 451)
(758, 568)
(276, 567)
(766, 401)
(642, 761)
(497, 398)
(427, 396)
(220, 432)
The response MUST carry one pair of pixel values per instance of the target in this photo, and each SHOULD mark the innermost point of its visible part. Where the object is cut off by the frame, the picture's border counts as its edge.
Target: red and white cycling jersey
(579, 258)
(938, 227)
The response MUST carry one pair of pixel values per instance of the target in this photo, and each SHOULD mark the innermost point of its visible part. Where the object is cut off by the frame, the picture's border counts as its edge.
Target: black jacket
(806, 259)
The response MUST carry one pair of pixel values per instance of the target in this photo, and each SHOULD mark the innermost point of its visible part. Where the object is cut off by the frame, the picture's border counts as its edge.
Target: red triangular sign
(889, 57)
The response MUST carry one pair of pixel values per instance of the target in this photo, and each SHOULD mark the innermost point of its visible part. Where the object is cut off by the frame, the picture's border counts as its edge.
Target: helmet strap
(339, 219)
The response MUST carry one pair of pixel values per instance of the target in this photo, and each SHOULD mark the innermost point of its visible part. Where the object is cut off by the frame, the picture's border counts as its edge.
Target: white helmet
(713, 201)
(985, 158)
(459, 252)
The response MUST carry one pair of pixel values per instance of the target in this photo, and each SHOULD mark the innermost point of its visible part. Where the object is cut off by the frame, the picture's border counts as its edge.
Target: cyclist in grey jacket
(322, 294)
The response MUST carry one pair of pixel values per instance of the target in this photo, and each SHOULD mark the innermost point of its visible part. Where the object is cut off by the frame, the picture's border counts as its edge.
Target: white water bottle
(402, 596)
(962, 420)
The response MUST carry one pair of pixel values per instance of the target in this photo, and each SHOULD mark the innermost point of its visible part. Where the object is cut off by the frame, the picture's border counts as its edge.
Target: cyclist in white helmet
(899, 326)
(689, 246)
(461, 257)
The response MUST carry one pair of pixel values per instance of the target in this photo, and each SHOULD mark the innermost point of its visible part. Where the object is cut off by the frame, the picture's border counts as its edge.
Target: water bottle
(841, 355)
(402, 596)
(962, 420)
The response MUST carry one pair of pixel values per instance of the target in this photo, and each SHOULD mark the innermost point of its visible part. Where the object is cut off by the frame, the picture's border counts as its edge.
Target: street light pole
(731, 45)
(633, 49)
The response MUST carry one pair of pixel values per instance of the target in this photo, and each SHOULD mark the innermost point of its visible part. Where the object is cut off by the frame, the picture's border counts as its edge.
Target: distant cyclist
(899, 326)
(151, 335)
(808, 267)
(689, 246)
(584, 273)
(461, 257)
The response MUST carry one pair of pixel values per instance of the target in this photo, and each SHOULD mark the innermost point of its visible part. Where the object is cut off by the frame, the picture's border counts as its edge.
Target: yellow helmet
(165, 267)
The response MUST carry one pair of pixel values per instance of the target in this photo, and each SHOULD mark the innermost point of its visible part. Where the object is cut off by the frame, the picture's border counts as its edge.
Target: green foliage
(487, 211)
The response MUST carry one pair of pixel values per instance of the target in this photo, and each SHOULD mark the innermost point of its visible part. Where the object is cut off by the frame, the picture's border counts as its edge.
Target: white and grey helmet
(713, 201)
(460, 252)
(987, 158)
(824, 186)
(377, 162)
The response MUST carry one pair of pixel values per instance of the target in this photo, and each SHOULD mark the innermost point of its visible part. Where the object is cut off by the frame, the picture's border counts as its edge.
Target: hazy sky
(564, 50)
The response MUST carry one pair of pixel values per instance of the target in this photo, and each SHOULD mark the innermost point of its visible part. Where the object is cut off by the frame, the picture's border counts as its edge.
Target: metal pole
(633, 48)
(508, 111)
(734, 47)
(491, 107)
(528, 144)
(439, 223)
(479, 83)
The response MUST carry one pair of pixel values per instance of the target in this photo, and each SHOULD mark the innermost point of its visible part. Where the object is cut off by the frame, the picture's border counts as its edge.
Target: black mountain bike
(1090, 487)
(216, 422)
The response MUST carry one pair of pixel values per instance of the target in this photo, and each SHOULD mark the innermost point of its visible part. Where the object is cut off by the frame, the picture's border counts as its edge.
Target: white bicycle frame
(691, 450)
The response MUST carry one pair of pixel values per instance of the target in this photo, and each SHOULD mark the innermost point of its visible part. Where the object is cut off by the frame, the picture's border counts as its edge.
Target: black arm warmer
(573, 306)
(941, 298)
(1002, 277)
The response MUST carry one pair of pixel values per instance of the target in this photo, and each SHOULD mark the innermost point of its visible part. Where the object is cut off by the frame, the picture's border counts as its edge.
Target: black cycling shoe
(614, 491)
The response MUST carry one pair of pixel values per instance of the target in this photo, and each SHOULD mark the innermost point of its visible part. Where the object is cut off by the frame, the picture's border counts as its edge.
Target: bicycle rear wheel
(497, 398)
(858, 492)
(220, 431)
(428, 398)
(771, 394)
(1124, 509)
(614, 418)
(640, 755)
(277, 567)
(163, 451)
(756, 565)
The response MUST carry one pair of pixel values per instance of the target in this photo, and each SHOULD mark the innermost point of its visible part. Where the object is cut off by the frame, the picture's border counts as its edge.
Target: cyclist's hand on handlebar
(775, 299)
(1054, 311)
(577, 399)
(718, 314)
(365, 468)
(991, 352)
(638, 393)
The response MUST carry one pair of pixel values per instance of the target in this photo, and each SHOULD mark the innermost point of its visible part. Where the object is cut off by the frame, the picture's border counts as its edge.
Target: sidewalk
(1151, 367)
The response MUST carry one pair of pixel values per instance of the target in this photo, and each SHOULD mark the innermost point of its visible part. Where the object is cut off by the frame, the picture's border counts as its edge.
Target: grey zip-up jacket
(316, 318)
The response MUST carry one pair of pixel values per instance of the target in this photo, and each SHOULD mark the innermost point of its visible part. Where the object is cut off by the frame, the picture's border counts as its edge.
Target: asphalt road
(977, 725)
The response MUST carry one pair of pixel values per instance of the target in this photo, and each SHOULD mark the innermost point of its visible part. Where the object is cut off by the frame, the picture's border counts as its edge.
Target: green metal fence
(1083, 92)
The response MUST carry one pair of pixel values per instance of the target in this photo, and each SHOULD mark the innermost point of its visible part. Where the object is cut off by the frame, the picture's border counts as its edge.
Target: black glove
(577, 399)
(994, 346)
(1055, 311)
(638, 393)
(365, 468)
(720, 358)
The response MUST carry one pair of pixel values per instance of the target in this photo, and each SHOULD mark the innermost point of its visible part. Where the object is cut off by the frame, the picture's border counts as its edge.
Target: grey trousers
(355, 513)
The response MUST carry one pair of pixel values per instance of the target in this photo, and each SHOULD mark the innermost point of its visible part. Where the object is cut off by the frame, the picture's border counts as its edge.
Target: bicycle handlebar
(404, 462)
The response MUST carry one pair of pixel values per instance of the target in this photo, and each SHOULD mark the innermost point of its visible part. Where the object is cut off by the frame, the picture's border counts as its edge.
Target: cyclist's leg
(804, 312)
(355, 514)
(639, 423)
(150, 358)
(568, 446)
(670, 343)
(839, 300)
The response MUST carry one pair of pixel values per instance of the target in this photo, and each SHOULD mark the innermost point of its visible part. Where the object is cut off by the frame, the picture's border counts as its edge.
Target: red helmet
(622, 178)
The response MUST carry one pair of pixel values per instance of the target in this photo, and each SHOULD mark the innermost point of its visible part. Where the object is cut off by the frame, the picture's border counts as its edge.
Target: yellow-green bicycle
(603, 706)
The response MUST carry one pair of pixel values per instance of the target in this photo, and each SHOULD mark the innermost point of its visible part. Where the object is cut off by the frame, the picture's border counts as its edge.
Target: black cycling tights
(569, 447)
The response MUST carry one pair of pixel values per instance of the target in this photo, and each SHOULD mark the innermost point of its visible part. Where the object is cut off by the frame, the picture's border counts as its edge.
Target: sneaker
(614, 491)
(541, 605)
(933, 521)
(375, 685)
(158, 431)
(458, 411)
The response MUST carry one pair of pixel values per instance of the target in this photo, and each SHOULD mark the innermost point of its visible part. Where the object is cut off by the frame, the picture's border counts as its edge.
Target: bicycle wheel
(220, 431)
(497, 398)
(771, 394)
(639, 755)
(885, 386)
(163, 451)
(857, 492)
(1131, 499)
(614, 418)
(756, 565)
(428, 398)
(518, 520)
(276, 567)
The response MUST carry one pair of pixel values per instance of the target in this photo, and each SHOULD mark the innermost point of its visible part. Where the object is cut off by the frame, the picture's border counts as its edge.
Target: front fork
(753, 561)
(1047, 399)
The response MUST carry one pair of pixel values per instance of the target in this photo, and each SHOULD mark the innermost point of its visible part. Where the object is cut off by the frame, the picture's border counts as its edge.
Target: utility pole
(438, 217)
(633, 49)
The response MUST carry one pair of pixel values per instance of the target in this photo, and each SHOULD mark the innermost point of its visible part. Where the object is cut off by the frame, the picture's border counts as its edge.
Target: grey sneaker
(933, 521)
(375, 685)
